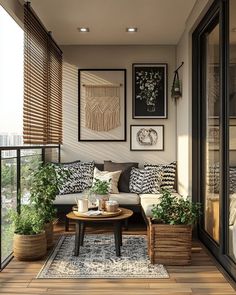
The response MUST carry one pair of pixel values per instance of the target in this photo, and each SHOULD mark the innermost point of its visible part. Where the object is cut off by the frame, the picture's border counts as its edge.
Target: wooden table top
(126, 213)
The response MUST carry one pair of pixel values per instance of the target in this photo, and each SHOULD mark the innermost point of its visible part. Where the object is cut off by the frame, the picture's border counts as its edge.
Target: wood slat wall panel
(42, 84)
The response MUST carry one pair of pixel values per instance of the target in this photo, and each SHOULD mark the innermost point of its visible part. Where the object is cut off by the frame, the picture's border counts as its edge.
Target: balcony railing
(16, 166)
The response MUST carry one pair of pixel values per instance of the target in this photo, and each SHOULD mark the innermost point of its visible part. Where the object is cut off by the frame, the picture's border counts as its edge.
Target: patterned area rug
(97, 259)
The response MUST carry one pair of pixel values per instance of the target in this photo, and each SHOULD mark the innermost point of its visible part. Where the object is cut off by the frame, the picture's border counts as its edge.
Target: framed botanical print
(102, 105)
(149, 91)
(147, 137)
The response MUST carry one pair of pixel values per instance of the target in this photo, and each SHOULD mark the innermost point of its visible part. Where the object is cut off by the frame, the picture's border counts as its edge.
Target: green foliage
(28, 222)
(44, 188)
(101, 187)
(174, 210)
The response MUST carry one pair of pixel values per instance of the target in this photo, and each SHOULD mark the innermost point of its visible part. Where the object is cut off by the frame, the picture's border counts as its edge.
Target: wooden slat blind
(42, 119)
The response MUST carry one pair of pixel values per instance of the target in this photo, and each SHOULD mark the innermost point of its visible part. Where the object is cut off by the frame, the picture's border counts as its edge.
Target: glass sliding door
(232, 132)
(210, 129)
(214, 130)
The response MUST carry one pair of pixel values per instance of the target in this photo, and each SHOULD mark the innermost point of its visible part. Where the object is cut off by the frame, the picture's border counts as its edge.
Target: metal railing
(16, 165)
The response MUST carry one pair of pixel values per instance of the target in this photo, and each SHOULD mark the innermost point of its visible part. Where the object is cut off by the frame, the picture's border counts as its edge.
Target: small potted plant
(29, 241)
(101, 189)
(170, 230)
(44, 188)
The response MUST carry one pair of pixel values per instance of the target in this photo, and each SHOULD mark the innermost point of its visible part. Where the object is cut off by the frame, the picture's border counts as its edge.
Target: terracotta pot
(48, 227)
(29, 247)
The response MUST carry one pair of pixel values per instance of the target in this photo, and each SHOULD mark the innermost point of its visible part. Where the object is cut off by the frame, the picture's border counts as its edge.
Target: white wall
(15, 9)
(184, 105)
(113, 57)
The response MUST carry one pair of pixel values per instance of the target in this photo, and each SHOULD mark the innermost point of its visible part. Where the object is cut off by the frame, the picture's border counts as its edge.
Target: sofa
(138, 202)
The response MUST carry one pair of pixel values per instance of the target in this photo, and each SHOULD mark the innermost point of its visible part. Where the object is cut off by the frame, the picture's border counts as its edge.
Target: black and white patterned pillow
(169, 174)
(213, 178)
(232, 180)
(146, 181)
(80, 177)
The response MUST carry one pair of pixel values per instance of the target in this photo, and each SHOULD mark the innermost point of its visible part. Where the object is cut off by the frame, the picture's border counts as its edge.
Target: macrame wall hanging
(102, 107)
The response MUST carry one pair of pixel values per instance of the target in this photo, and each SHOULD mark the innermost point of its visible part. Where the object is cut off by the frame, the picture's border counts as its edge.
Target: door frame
(219, 8)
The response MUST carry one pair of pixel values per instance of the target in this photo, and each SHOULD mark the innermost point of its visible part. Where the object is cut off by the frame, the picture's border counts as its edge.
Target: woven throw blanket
(102, 107)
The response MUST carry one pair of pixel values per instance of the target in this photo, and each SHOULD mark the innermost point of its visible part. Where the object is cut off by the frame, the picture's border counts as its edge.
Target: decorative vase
(29, 247)
(101, 201)
(151, 108)
(48, 227)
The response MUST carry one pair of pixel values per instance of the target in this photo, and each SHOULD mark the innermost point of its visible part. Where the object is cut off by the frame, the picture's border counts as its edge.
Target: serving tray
(102, 215)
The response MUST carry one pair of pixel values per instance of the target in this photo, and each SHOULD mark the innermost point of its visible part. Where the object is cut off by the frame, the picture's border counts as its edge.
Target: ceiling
(158, 21)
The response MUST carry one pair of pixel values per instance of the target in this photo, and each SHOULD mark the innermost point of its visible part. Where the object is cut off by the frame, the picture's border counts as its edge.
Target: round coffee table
(81, 222)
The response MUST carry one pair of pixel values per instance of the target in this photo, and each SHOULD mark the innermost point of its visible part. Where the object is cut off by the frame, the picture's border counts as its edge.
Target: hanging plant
(176, 87)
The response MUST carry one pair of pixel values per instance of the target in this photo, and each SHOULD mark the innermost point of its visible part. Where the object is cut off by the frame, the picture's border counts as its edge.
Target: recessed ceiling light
(131, 30)
(83, 30)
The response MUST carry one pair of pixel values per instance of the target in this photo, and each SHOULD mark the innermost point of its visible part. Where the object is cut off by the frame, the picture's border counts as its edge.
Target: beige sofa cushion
(67, 199)
(121, 198)
(148, 200)
(126, 198)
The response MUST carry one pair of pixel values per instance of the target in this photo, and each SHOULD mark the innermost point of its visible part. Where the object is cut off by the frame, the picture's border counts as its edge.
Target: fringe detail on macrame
(102, 107)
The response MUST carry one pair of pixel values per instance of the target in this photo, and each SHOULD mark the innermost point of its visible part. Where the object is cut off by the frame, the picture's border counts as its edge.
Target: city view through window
(11, 126)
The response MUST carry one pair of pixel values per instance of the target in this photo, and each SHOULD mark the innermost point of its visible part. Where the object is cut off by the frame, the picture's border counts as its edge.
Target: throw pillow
(123, 184)
(146, 181)
(169, 174)
(113, 177)
(232, 180)
(213, 178)
(81, 177)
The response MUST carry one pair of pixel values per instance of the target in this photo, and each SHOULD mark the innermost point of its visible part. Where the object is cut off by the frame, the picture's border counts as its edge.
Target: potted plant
(44, 188)
(101, 190)
(29, 241)
(170, 230)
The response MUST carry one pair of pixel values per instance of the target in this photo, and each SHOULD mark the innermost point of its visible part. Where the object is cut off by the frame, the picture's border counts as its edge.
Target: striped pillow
(146, 181)
(169, 174)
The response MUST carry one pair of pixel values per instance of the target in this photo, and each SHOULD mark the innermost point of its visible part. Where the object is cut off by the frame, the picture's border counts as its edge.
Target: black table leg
(117, 237)
(67, 222)
(120, 233)
(126, 226)
(77, 237)
(82, 233)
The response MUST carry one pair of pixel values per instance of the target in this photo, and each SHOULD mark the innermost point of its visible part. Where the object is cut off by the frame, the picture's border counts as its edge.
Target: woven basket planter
(49, 234)
(29, 247)
(169, 244)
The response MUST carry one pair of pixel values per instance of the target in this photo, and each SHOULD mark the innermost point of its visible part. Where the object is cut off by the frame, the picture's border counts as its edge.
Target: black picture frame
(150, 102)
(81, 137)
(137, 146)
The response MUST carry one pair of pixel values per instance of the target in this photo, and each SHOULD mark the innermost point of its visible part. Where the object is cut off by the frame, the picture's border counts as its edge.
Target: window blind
(42, 114)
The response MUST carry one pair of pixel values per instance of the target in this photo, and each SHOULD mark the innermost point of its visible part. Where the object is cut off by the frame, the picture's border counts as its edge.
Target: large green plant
(100, 187)
(27, 222)
(175, 210)
(44, 187)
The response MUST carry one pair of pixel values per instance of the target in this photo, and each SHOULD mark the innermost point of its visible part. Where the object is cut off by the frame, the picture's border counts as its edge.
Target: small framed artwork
(147, 137)
(150, 91)
(102, 105)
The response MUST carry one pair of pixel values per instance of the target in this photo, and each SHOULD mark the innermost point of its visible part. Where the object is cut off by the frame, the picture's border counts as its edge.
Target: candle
(82, 205)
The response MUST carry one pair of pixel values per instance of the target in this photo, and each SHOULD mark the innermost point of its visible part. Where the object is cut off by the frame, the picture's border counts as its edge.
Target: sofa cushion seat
(121, 198)
(125, 198)
(67, 199)
(148, 200)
